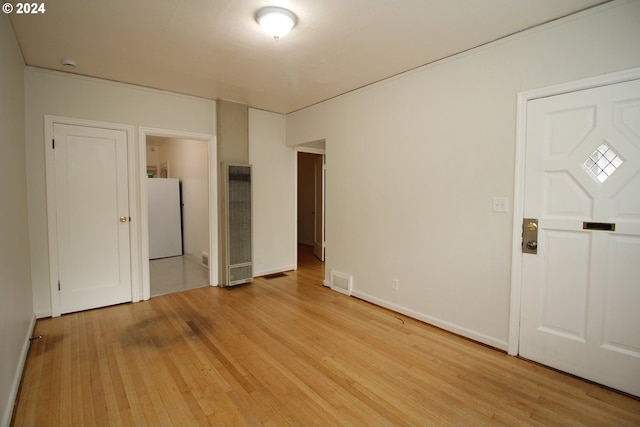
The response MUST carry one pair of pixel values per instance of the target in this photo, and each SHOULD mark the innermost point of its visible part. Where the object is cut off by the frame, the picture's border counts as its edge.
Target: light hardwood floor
(287, 351)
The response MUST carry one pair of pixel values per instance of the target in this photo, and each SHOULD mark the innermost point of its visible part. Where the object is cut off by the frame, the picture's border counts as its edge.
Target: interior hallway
(308, 264)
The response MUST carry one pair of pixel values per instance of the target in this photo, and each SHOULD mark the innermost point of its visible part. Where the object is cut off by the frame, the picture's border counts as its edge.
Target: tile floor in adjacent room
(175, 274)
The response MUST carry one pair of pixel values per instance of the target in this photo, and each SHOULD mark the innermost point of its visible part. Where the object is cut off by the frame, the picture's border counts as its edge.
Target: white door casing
(89, 216)
(579, 294)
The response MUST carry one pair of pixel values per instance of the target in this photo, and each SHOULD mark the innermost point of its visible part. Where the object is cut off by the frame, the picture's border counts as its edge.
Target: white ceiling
(215, 49)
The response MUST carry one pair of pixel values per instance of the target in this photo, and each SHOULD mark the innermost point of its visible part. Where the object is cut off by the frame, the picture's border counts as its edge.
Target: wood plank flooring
(287, 351)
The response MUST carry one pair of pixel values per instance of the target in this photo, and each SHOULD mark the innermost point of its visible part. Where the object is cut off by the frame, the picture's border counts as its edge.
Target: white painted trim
(49, 122)
(459, 330)
(143, 132)
(516, 246)
(274, 270)
(518, 199)
(134, 229)
(295, 211)
(213, 210)
(52, 229)
(311, 150)
(323, 248)
(15, 384)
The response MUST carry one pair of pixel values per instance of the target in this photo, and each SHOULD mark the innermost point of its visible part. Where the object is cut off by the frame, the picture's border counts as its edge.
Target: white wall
(68, 95)
(16, 309)
(414, 161)
(189, 161)
(273, 193)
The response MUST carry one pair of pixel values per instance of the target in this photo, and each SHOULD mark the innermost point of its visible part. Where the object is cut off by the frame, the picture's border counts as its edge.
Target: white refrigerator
(165, 226)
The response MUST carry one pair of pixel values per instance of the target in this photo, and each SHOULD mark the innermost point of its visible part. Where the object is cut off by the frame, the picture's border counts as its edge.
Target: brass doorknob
(123, 219)
(532, 226)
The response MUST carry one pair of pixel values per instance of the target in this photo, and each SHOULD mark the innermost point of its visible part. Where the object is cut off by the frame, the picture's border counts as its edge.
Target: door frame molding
(323, 182)
(211, 140)
(518, 199)
(49, 122)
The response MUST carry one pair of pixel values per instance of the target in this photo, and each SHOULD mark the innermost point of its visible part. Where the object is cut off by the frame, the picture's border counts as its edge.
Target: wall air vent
(205, 259)
(341, 282)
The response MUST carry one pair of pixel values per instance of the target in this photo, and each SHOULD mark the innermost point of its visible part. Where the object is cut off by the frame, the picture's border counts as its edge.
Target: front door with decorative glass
(580, 307)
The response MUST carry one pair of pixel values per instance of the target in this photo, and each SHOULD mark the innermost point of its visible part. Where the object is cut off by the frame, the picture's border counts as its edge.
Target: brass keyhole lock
(530, 236)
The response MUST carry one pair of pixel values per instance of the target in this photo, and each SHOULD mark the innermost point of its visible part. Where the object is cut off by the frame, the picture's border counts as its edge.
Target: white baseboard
(43, 314)
(15, 385)
(447, 326)
(273, 270)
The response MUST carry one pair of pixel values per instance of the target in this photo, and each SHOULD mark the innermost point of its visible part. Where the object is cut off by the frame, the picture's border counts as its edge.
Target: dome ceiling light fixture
(276, 21)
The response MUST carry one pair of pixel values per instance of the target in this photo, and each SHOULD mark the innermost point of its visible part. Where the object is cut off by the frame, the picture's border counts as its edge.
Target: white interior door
(580, 308)
(318, 226)
(92, 217)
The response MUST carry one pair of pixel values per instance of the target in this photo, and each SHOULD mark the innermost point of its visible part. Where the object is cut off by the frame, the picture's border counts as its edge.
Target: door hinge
(53, 144)
(58, 284)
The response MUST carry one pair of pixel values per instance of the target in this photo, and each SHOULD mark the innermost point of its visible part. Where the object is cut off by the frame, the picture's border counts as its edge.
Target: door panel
(580, 293)
(566, 280)
(622, 301)
(92, 217)
(318, 226)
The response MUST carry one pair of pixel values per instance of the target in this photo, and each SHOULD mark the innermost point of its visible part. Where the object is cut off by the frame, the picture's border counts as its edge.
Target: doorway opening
(178, 247)
(177, 214)
(310, 205)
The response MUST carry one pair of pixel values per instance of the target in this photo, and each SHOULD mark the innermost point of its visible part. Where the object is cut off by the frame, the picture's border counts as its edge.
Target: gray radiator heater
(237, 259)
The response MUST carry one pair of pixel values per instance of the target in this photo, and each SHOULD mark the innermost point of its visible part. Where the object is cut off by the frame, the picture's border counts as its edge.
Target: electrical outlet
(395, 284)
(500, 204)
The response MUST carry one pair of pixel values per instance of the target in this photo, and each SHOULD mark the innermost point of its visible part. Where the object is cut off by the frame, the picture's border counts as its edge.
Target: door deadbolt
(530, 236)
